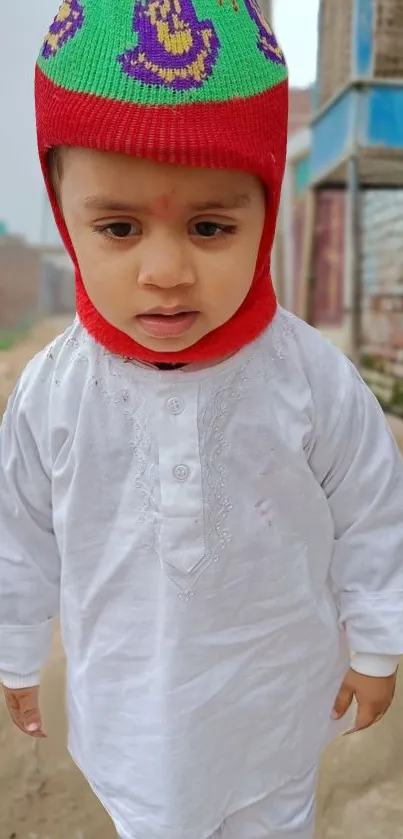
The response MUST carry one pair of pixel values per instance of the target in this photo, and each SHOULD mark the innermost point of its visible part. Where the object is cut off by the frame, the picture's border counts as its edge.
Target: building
(57, 286)
(20, 280)
(35, 282)
(289, 229)
(300, 109)
(57, 292)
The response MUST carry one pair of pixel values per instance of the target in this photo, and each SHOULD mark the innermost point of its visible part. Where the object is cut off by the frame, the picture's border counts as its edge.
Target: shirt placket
(182, 543)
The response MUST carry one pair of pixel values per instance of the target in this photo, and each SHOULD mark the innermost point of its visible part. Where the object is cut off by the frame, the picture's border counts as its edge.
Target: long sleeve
(356, 460)
(29, 560)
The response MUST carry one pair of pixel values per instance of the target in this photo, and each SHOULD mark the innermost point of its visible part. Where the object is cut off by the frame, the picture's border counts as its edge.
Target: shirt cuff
(374, 665)
(13, 682)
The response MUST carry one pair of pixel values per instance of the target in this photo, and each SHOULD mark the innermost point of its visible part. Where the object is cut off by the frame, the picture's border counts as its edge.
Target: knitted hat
(195, 82)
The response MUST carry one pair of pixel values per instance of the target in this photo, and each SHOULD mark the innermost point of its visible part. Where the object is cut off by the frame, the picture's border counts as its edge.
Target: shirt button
(175, 405)
(181, 473)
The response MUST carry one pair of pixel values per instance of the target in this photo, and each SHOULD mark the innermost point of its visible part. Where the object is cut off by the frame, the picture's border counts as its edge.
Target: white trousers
(288, 813)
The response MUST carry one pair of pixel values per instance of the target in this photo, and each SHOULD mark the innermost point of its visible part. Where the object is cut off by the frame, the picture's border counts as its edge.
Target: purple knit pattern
(267, 41)
(174, 48)
(67, 22)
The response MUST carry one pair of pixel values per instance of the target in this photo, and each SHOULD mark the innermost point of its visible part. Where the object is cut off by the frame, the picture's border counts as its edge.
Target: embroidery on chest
(141, 449)
(221, 404)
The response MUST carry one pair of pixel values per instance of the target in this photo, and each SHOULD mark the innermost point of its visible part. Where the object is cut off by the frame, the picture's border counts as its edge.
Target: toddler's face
(167, 253)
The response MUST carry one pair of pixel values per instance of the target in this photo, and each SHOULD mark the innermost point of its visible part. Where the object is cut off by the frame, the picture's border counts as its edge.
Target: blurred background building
(20, 281)
(341, 228)
(36, 281)
(57, 282)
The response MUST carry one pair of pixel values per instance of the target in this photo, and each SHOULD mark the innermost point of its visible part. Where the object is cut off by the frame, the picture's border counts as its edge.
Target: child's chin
(168, 345)
(165, 345)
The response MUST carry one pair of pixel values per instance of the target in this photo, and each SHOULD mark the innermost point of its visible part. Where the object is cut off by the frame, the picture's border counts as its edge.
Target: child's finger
(13, 708)
(23, 706)
(343, 701)
(30, 713)
(367, 715)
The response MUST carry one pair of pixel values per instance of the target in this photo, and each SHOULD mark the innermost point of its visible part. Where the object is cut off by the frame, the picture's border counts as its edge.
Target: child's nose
(166, 269)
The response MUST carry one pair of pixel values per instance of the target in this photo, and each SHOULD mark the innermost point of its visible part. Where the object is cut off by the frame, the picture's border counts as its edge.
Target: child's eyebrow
(234, 202)
(104, 203)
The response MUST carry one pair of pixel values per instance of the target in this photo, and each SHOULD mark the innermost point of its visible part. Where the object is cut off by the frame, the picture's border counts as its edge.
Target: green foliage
(8, 339)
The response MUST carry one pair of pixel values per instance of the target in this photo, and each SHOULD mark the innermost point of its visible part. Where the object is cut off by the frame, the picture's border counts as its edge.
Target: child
(204, 486)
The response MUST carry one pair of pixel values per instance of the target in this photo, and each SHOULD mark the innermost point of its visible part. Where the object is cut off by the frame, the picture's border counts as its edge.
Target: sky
(22, 27)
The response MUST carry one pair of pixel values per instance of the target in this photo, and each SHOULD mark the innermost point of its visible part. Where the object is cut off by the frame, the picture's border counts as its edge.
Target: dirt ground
(43, 796)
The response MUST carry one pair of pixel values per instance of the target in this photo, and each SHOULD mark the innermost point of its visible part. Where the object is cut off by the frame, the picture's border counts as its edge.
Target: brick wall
(335, 38)
(336, 45)
(300, 109)
(388, 39)
(20, 271)
(382, 255)
(58, 287)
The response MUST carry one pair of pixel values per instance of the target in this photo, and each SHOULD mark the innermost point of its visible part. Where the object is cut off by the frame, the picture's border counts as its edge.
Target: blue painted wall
(384, 125)
(363, 31)
(302, 175)
(373, 116)
(333, 134)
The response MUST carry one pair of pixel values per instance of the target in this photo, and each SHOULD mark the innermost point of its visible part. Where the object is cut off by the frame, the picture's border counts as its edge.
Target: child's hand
(374, 696)
(23, 706)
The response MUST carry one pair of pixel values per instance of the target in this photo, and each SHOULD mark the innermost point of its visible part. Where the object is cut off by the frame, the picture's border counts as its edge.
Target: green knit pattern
(162, 52)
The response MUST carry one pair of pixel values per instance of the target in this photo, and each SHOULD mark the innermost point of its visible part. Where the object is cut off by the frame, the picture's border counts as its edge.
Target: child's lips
(165, 325)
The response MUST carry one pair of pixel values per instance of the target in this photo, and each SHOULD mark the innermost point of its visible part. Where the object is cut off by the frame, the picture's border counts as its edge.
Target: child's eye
(212, 229)
(120, 230)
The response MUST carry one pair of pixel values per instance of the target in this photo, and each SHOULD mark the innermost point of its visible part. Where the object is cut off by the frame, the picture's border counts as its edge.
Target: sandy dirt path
(43, 796)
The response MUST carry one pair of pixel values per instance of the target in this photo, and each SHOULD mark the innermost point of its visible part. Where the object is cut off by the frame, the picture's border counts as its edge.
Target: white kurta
(205, 531)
